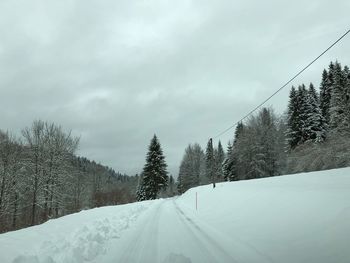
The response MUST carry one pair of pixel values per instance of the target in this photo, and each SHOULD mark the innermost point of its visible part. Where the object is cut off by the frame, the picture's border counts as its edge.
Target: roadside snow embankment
(293, 218)
(79, 237)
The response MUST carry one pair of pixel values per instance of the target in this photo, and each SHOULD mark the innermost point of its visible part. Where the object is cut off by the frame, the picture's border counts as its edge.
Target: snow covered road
(169, 235)
(296, 218)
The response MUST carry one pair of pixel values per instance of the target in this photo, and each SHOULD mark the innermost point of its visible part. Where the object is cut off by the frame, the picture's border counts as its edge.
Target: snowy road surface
(180, 239)
(296, 218)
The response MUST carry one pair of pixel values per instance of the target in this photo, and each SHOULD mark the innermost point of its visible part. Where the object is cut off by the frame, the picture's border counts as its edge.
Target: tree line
(313, 134)
(41, 177)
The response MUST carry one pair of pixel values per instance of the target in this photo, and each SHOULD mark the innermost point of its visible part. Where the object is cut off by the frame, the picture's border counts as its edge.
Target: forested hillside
(42, 178)
(313, 134)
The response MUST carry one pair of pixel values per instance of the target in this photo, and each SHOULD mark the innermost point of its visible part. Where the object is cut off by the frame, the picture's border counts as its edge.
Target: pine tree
(315, 123)
(140, 192)
(227, 164)
(325, 94)
(293, 133)
(209, 161)
(312, 91)
(235, 169)
(346, 120)
(303, 113)
(219, 159)
(155, 176)
(337, 103)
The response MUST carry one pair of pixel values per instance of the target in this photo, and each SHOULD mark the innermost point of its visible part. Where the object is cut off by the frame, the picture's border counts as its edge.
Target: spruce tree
(227, 164)
(347, 83)
(293, 133)
(346, 120)
(238, 132)
(140, 192)
(312, 91)
(155, 175)
(209, 161)
(337, 103)
(219, 159)
(325, 95)
(235, 169)
(303, 114)
(315, 120)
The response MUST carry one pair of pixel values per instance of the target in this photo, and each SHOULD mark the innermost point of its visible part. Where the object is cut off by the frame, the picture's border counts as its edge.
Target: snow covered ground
(294, 218)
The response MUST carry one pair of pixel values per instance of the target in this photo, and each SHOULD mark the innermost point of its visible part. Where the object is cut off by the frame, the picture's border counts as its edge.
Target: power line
(277, 91)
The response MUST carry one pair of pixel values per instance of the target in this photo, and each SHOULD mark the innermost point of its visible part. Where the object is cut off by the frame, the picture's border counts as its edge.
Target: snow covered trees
(316, 122)
(41, 178)
(49, 153)
(313, 120)
(325, 93)
(214, 161)
(219, 158)
(11, 179)
(320, 117)
(339, 101)
(294, 131)
(230, 168)
(35, 175)
(155, 175)
(227, 165)
(140, 191)
(255, 149)
(335, 97)
(209, 161)
(192, 168)
(305, 119)
(313, 116)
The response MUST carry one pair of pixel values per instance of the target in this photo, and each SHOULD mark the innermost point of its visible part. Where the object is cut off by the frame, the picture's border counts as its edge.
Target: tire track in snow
(143, 248)
(261, 255)
(203, 238)
(199, 242)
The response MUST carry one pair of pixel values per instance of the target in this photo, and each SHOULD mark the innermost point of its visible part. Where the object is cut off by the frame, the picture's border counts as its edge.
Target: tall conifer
(155, 175)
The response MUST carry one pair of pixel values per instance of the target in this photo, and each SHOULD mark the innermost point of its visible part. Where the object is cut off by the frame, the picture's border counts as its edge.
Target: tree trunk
(2, 191)
(34, 200)
(14, 216)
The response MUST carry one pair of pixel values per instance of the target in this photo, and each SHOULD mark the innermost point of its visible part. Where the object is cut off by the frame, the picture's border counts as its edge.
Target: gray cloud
(116, 72)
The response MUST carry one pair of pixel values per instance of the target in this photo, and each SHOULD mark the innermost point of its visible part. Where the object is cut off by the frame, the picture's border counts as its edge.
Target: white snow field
(294, 218)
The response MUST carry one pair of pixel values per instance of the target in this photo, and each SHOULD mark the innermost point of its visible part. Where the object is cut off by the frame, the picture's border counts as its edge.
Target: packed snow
(295, 218)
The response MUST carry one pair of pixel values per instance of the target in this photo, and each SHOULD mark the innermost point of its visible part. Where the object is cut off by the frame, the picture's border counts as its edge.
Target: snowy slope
(294, 218)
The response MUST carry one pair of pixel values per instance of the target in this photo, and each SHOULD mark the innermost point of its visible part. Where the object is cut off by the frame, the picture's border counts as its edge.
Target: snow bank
(294, 218)
(79, 237)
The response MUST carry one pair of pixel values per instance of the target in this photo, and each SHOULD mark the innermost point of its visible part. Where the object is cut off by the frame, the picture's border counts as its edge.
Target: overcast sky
(116, 72)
